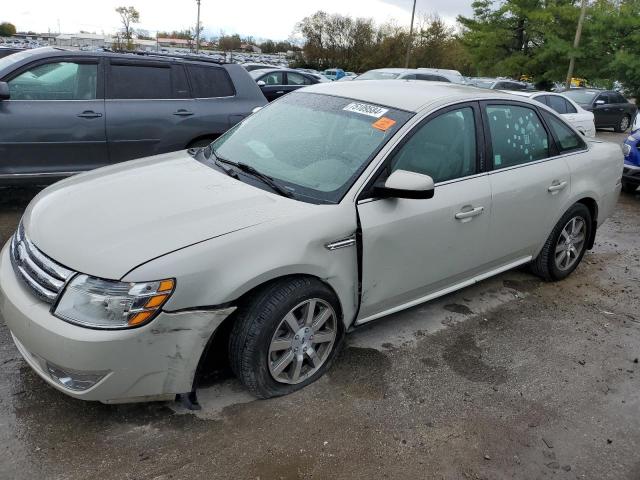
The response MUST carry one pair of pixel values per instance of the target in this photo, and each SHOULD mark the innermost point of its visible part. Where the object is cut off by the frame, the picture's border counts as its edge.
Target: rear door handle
(89, 114)
(279, 92)
(467, 214)
(183, 113)
(557, 186)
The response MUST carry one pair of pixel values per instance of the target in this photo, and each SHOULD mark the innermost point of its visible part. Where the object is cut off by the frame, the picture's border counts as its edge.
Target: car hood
(111, 220)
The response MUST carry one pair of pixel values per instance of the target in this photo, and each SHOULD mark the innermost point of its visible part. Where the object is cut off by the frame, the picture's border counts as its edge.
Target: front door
(274, 85)
(54, 122)
(530, 184)
(413, 248)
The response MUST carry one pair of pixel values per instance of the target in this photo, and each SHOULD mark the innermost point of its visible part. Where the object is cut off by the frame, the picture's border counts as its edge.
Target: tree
(7, 29)
(128, 16)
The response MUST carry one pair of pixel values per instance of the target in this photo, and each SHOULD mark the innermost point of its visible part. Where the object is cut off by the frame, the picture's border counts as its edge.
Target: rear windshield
(378, 75)
(581, 96)
(314, 145)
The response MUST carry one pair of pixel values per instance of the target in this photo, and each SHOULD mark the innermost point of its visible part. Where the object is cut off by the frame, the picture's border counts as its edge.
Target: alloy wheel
(302, 341)
(624, 124)
(570, 243)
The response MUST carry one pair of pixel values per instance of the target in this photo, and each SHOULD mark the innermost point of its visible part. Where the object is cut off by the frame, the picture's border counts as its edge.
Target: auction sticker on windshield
(366, 109)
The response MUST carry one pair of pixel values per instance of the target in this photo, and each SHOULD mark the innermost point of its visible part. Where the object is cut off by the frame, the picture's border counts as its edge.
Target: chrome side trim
(446, 290)
(41, 174)
(349, 241)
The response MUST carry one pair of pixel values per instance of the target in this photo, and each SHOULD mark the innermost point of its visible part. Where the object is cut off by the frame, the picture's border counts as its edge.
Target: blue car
(631, 149)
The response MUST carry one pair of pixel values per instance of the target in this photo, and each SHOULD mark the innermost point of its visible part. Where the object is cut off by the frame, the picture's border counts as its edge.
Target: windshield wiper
(270, 181)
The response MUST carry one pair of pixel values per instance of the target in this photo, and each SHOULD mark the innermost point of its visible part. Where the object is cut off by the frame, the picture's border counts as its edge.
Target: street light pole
(413, 13)
(576, 43)
(198, 29)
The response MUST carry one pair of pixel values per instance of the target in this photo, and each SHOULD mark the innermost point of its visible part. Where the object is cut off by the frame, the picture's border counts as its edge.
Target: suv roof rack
(192, 57)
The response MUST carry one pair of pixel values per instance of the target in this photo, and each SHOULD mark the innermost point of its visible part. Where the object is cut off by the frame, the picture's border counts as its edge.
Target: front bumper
(153, 362)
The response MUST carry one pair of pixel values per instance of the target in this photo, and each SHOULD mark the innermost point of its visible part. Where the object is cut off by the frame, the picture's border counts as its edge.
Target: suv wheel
(566, 245)
(285, 337)
(623, 125)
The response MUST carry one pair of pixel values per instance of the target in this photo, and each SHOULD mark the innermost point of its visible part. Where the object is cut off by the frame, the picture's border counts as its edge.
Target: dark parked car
(275, 82)
(6, 51)
(63, 112)
(610, 108)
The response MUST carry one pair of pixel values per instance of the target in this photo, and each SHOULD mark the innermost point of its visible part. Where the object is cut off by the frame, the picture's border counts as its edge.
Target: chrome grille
(44, 277)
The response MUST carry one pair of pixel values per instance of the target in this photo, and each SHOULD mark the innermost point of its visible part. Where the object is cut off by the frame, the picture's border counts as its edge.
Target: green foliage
(7, 29)
(535, 38)
(128, 16)
(357, 44)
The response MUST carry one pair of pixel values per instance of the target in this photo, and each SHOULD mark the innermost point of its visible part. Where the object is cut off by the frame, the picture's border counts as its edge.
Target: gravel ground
(510, 378)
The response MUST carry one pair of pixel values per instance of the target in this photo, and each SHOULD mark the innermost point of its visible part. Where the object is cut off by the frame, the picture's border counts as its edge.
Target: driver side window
(56, 81)
(444, 148)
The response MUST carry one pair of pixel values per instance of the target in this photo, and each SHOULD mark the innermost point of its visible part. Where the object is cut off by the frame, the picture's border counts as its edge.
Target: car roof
(409, 95)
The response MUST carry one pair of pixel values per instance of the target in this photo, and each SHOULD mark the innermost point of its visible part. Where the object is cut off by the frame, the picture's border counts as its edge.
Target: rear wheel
(566, 245)
(285, 337)
(623, 124)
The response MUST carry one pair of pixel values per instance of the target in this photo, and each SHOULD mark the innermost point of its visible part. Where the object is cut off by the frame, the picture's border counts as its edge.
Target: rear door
(530, 183)
(54, 123)
(148, 108)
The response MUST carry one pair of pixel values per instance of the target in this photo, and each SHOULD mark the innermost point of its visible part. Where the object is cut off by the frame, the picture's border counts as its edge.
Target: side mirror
(4, 91)
(599, 102)
(405, 184)
(261, 83)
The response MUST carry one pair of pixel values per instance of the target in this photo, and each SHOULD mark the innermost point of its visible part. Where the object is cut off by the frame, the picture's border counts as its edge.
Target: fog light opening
(76, 381)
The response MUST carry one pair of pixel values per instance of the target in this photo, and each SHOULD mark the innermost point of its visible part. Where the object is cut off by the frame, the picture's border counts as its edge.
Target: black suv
(63, 112)
(610, 108)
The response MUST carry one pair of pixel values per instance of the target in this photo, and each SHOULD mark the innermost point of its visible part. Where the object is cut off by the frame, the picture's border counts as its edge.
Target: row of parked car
(62, 112)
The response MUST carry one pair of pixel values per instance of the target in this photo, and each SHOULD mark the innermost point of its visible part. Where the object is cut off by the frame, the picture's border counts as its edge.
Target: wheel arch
(214, 357)
(592, 205)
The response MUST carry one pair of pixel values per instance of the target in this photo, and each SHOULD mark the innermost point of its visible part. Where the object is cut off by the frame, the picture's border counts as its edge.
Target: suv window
(56, 81)
(139, 82)
(568, 140)
(517, 135)
(273, 78)
(297, 79)
(617, 98)
(435, 151)
(209, 82)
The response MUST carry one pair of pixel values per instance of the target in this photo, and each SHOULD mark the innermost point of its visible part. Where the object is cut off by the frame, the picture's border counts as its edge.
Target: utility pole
(413, 13)
(198, 29)
(576, 43)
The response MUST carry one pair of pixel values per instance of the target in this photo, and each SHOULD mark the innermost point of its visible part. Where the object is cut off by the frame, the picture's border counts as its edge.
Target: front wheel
(623, 124)
(285, 337)
(566, 245)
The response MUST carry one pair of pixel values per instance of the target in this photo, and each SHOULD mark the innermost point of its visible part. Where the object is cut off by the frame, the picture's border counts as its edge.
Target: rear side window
(558, 104)
(568, 140)
(430, 78)
(139, 82)
(297, 79)
(210, 82)
(517, 135)
(618, 98)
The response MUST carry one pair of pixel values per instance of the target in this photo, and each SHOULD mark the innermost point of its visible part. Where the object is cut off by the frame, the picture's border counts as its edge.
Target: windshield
(581, 96)
(314, 145)
(378, 75)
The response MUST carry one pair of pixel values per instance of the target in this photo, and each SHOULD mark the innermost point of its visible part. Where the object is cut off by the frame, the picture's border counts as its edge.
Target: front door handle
(183, 113)
(468, 214)
(89, 114)
(557, 186)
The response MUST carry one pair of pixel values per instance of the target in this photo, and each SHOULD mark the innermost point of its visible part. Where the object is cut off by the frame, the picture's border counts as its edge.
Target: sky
(275, 19)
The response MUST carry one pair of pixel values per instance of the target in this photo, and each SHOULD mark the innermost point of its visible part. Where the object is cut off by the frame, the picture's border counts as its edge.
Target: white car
(334, 206)
(574, 114)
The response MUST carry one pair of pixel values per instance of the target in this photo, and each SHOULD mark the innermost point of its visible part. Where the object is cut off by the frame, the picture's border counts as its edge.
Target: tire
(263, 324)
(546, 264)
(629, 187)
(623, 124)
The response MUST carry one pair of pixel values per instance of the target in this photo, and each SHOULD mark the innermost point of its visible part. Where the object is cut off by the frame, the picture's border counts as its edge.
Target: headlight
(97, 303)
